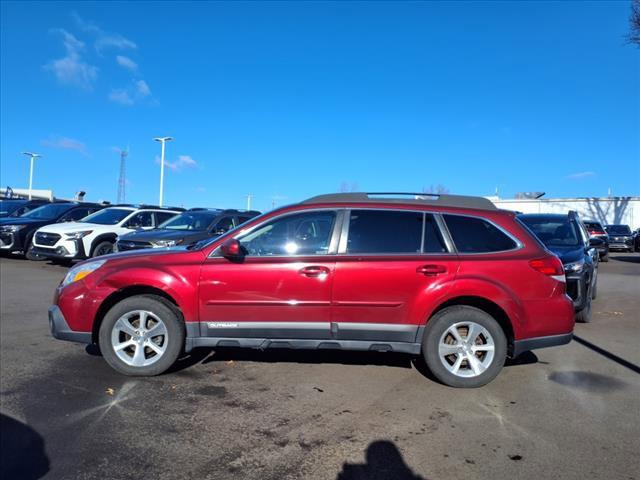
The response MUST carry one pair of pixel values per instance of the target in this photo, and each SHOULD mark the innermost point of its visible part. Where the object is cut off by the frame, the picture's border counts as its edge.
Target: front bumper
(10, 242)
(60, 329)
(73, 250)
(576, 289)
(521, 346)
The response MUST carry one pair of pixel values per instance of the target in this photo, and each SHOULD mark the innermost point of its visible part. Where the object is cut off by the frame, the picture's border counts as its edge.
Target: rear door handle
(431, 270)
(313, 271)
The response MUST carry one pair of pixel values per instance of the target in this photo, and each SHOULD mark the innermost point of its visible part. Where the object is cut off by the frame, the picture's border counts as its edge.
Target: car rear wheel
(464, 347)
(141, 336)
(103, 248)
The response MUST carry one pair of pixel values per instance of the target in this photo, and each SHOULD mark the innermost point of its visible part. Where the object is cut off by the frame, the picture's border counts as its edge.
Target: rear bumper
(60, 329)
(527, 344)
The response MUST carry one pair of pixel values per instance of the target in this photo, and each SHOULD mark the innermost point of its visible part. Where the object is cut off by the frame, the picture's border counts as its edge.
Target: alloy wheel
(139, 338)
(466, 349)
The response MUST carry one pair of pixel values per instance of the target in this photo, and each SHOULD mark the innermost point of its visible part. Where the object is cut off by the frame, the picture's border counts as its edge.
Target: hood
(568, 254)
(23, 221)
(69, 227)
(190, 236)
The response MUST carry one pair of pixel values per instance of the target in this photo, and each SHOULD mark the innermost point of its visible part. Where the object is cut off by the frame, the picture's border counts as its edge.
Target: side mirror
(596, 242)
(232, 250)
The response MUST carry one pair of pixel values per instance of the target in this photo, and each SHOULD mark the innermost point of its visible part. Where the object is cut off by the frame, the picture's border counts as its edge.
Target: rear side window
(475, 235)
(384, 231)
(162, 217)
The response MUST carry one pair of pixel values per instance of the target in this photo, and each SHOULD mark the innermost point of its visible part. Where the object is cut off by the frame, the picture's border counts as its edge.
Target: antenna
(122, 180)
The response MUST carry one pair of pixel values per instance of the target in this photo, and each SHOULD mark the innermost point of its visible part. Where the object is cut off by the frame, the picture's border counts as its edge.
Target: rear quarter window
(476, 235)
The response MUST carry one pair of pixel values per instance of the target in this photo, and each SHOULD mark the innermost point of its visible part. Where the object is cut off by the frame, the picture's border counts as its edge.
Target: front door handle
(314, 271)
(431, 270)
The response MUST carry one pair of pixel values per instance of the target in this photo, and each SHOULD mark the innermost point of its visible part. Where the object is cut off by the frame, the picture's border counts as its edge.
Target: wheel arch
(129, 292)
(101, 238)
(487, 306)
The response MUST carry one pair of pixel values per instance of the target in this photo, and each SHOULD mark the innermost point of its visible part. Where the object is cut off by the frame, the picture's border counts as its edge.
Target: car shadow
(628, 259)
(383, 461)
(22, 454)
(341, 357)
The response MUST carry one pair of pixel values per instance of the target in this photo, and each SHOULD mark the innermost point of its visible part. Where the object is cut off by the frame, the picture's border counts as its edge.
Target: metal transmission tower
(122, 180)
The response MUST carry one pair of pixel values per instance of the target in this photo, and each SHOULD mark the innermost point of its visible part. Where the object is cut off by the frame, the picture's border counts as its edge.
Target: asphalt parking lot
(569, 412)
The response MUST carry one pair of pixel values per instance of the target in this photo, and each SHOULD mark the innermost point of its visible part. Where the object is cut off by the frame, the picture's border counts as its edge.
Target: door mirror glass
(232, 250)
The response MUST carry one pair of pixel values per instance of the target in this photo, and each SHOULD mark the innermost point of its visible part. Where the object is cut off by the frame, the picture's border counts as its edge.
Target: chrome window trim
(519, 244)
(342, 250)
(215, 253)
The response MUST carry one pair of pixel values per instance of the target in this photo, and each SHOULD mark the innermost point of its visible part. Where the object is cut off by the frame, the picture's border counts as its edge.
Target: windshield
(8, 206)
(48, 212)
(619, 229)
(554, 231)
(108, 216)
(196, 221)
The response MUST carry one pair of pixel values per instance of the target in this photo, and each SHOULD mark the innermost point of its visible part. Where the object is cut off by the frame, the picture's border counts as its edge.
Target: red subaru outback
(449, 277)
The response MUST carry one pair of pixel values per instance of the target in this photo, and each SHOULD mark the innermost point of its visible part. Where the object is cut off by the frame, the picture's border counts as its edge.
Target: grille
(47, 239)
(132, 245)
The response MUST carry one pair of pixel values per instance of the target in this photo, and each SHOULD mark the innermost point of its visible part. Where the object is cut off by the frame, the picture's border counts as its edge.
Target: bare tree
(346, 188)
(438, 189)
(634, 23)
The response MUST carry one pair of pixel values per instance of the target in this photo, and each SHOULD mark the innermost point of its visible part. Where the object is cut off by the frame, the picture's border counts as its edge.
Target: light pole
(33, 157)
(162, 141)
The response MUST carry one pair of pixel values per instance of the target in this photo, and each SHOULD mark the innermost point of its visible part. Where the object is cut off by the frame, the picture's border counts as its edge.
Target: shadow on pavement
(629, 259)
(383, 461)
(311, 356)
(22, 452)
(607, 354)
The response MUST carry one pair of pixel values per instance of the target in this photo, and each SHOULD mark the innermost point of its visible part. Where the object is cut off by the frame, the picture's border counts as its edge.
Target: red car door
(392, 266)
(281, 289)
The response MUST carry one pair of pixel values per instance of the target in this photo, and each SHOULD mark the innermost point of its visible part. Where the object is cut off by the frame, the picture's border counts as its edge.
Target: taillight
(550, 266)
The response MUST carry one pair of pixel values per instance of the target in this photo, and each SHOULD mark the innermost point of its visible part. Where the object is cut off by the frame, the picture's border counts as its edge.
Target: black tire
(103, 248)
(159, 308)
(605, 257)
(440, 323)
(594, 288)
(584, 315)
(29, 255)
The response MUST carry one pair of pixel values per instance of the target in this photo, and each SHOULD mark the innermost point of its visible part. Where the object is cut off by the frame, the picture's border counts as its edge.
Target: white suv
(97, 233)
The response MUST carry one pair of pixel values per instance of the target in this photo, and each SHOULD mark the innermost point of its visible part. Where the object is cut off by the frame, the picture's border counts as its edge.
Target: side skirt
(306, 344)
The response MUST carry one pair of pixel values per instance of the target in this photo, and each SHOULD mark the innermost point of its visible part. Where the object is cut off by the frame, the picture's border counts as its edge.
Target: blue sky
(286, 100)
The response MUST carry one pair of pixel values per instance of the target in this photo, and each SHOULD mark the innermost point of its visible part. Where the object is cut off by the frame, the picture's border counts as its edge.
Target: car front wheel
(141, 336)
(464, 347)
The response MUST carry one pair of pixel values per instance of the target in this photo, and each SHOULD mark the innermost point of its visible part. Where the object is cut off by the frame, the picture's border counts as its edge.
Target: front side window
(141, 220)
(307, 233)
(475, 235)
(223, 226)
(384, 231)
(162, 217)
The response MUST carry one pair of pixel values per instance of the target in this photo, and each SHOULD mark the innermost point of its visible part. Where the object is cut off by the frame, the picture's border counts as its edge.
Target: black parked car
(596, 230)
(620, 237)
(15, 207)
(636, 241)
(16, 233)
(186, 229)
(566, 236)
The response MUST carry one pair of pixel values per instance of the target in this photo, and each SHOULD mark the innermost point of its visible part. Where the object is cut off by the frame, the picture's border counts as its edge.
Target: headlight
(574, 267)
(81, 271)
(12, 228)
(166, 243)
(78, 235)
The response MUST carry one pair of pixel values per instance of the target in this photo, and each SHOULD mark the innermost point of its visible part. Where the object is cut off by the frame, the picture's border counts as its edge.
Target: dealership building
(606, 210)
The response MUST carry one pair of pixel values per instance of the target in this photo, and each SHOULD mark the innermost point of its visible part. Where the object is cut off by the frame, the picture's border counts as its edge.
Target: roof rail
(240, 210)
(436, 199)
